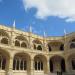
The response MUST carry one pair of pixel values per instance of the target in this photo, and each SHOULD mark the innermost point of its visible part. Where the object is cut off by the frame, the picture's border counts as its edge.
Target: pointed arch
(49, 47)
(3, 33)
(40, 63)
(22, 41)
(4, 40)
(37, 44)
(55, 45)
(72, 43)
(17, 43)
(24, 45)
(71, 61)
(57, 64)
(4, 37)
(4, 59)
(21, 61)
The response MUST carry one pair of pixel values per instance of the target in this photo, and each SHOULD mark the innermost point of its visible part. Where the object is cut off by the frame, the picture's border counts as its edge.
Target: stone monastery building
(25, 53)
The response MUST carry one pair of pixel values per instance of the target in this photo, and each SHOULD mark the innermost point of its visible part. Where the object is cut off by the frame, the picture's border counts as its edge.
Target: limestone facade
(25, 53)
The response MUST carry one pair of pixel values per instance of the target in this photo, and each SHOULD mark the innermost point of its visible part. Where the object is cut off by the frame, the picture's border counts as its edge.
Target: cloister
(25, 53)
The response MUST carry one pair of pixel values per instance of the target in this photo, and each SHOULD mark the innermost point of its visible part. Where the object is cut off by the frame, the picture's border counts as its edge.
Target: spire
(65, 32)
(14, 24)
(30, 28)
(44, 34)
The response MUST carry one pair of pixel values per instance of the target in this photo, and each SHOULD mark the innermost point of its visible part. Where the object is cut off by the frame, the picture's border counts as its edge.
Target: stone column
(10, 69)
(32, 67)
(48, 66)
(30, 41)
(66, 65)
(44, 44)
(12, 39)
(0, 38)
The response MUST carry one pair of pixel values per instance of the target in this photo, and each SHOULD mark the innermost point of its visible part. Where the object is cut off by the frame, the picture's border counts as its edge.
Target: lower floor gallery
(24, 64)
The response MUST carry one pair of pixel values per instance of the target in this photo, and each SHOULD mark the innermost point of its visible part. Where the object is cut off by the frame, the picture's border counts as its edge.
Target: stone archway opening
(37, 44)
(4, 41)
(4, 61)
(40, 64)
(55, 46)
(57, 64)
(21, 64)
(71, 62)
(4, 37)
(21, 41)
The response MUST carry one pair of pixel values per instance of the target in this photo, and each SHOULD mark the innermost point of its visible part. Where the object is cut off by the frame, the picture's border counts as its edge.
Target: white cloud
(61, 8)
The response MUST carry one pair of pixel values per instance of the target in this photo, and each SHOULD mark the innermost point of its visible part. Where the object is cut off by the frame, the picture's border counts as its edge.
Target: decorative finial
(44, 34)
(14, 24)
(30, 29)
(65, 32)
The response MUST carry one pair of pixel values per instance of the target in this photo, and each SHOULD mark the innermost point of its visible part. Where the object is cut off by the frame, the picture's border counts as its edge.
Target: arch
(4, 37)
(72, 43)
(39, 47)
(55, 45)
(37, 44)
(40, 56)
(22, 39)
(56, 56)
(37, 41)
(4, 59)
(61, 47)
(24, 45)
(3, 33)
(49, 47)
(21, 61)
(71, 62)
(57, 64)
(4, 40)
(73, 40)
(17, 43)
(40, 63)
(55, 42)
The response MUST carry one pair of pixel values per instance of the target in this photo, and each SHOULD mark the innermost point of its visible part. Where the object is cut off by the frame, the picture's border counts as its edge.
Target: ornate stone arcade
(25, 53)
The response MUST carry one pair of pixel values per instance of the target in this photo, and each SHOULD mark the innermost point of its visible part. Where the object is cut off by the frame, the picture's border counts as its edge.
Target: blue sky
(40, 15)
